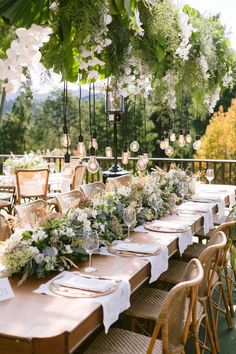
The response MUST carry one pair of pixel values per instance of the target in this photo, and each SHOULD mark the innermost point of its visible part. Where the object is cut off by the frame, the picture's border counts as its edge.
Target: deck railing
(224, 170)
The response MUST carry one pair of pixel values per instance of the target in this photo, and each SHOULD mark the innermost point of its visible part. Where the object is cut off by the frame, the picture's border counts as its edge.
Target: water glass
(183, 189)
(210, 175)
(52, 167)
(129, 217)
(155, 203)
(90, 244)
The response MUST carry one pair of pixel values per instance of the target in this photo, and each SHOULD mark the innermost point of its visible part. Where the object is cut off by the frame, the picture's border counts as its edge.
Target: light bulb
(93, 165)
(141, 164)
(169, 150)
(81, 151)
(67, 170)
(162, 143)
(134, 146)
(108, 151)
(65, 140)
(197, 143)
(125, 154)
(166, 142)
(145, 157)
(181, 140)
(172, 137)
(188, 138)
(93, 143)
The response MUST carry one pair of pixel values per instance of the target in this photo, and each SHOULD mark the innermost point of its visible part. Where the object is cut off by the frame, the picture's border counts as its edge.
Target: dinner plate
(68, 291)
(151, 227)
(131, 253)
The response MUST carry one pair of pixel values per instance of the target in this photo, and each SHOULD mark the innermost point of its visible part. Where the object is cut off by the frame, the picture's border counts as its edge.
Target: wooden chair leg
(229, 290)
(213, 325)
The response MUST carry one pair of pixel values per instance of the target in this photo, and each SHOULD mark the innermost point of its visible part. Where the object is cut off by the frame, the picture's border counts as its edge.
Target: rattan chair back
(177, 311)
(68, 200)
(32, 213)
(32, 183)
(210, 259)
(114, 182)
(5, 231)
(78, 176)
(91, 189)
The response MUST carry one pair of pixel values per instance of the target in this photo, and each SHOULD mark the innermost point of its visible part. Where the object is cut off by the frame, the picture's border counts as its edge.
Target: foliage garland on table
(56, 244)
(30, 160)
(140, 43)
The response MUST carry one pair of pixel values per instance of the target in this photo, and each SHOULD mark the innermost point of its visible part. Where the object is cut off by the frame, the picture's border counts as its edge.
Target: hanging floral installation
(143, 44)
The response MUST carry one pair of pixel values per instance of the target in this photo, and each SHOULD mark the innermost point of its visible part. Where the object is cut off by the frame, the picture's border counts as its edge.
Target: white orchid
(93, 74)
(95, 61)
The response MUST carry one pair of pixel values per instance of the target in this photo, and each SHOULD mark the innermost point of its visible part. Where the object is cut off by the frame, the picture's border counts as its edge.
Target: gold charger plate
(78, 293)
(151, 227)
(131, 253)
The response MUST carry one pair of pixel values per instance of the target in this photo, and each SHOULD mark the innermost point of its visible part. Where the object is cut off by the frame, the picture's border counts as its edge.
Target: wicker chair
(32, 184)
(5, 231)
(78, 176)
(172, 322)
(68, 200)
(211, 258)
(118, 181)
(6, 205)
(32, 213)
(91, 189)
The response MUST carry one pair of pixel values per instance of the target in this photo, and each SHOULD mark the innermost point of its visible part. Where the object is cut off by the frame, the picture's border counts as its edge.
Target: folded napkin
(169, 225)
(80, 282)
(113, 304)
(137, 247)
(208, 197)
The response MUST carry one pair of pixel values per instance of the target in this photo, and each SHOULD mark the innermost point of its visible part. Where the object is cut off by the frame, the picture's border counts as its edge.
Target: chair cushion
(120, 341)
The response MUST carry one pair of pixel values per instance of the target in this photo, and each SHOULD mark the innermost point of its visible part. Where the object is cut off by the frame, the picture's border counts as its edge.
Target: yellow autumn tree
(219, 141)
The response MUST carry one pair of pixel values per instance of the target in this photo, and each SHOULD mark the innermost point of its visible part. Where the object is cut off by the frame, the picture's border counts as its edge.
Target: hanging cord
(140, 119)
(135, 128)
(90, 115)
(106, 109)
(145, 122)
(65, 105)
(80, 118)
(125, 128)
(94, 108)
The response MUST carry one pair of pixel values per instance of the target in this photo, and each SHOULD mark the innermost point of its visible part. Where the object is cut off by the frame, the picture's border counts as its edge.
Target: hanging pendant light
(162, 143)
(188, 137)
(172, 136)
(108, 149)
(134, 146)
(141, 164)
(81, 150)
(197, 143)
(181, 140)
(93, 142)
(67, 170)
(145, 155)
(65, 139)
(169, 150)
(93, 165)
(166, 141)
(125, 154)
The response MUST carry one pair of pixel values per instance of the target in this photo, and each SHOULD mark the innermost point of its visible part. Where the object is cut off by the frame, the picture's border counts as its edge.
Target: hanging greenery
(142, 44)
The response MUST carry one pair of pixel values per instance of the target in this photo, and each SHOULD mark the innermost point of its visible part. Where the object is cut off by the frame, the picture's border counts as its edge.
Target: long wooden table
(32, 323)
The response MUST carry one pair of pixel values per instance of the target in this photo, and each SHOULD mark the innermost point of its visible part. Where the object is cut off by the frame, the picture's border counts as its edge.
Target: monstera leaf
(25, 12)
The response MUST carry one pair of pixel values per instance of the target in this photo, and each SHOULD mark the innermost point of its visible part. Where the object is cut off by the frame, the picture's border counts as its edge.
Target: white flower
(83, 65)
(85, 53)
(204, 66)
(185, 34)
(95, 61)
(106, 42)
(68, 249)
(227, 79)
(39, 258)
(39, 235)
(69, 232)
(93, 74)
(107, 19)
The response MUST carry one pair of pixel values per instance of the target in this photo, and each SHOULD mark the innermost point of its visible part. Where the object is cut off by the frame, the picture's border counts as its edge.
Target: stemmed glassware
(90, 244)
(129, 217)
(155, 203)
(210, 175)
(183, 189)
(52, 167)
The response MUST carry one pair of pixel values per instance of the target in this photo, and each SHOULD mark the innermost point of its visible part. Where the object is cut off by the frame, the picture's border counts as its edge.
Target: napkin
(170, 225)
(137, 247)
(91, 284)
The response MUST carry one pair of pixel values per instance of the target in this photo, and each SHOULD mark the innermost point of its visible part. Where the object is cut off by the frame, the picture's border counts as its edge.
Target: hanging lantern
(181, 140)
(188, 137)
(134, 146)
(108, 149)
(93, 165)
(81, 151)
(115, 102)
(65, 139)
(162, 143)
(67, 171)
(125, 155)
(169, 150)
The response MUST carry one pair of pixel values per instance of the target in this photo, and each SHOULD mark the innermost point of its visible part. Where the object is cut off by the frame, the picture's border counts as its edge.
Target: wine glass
(90, 244)
(129, 217)
(183, 189)
(155, 203)
(210, 175)
(52, 167)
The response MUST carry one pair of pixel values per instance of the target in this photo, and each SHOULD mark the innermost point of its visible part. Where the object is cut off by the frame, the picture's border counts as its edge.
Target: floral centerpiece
(57, 243)
(30, 160)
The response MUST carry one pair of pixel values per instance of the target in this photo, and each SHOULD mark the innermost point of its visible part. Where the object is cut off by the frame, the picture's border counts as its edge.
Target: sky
(226, 8)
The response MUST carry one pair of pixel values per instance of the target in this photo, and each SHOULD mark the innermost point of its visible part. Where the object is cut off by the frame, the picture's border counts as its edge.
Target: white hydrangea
(39, 235)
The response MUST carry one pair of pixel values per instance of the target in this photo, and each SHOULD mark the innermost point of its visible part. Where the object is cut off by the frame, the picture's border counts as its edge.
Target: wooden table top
(39, 324)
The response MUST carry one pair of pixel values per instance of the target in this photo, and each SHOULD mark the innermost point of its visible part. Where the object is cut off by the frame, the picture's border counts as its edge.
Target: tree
(220, 137)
